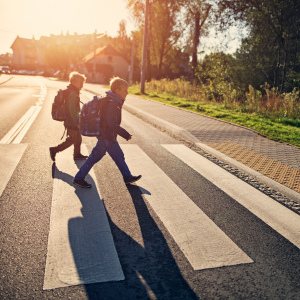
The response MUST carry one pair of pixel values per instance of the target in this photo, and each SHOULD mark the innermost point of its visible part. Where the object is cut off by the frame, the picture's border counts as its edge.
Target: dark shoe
(82, 183)
(80, 156)
(52, 153)
(133, 179)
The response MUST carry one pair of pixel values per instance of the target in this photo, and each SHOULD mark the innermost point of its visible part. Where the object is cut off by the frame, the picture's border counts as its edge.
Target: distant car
(5, 69)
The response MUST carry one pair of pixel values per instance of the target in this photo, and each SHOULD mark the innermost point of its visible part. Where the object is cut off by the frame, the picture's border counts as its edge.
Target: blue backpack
(91, 116)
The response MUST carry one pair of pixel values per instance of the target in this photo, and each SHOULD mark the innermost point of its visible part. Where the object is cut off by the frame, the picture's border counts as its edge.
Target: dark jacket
(113, 118)
(73, 106)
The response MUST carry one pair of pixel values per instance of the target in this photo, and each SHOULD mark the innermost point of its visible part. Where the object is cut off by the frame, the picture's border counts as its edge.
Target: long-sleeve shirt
(73, 103)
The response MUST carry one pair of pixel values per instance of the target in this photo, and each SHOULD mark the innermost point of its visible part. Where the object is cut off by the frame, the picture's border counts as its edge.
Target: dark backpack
(91, 116)
(60, 110)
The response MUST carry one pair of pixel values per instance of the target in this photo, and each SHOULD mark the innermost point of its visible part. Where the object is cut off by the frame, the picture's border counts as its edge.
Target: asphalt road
(154, 266)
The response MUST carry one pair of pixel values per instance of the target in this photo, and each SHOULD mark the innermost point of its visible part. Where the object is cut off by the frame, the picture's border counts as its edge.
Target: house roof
(106, 50)
(26, 43)
(83, 40)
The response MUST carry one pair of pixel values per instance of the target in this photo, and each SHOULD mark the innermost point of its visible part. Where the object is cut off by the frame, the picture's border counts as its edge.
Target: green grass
(285, 130)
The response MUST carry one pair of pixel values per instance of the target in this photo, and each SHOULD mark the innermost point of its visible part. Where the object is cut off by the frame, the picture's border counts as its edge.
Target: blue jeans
(115, 152)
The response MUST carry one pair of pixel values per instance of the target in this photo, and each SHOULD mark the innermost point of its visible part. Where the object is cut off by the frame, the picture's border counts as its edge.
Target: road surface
(186, 230)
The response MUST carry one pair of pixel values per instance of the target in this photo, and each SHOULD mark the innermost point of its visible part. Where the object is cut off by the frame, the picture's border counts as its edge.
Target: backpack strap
(66, 93)
(64, 132)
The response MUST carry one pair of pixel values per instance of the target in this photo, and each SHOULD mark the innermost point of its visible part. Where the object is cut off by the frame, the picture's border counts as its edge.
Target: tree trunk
(277, 67)
(149, 75)
(284, 70)
(198, 27)
(195, 43)
(161, 56)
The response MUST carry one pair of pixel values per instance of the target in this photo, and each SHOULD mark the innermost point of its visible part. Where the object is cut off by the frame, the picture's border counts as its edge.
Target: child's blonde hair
(74, 76)
(117, 83)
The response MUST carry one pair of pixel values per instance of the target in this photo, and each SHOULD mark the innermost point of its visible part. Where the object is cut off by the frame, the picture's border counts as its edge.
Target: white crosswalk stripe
(80, 245)
(280, 218)
(199, 238)
(10, 156)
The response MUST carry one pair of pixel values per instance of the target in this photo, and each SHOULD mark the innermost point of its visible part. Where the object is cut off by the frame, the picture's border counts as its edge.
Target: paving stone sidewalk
(275, 160)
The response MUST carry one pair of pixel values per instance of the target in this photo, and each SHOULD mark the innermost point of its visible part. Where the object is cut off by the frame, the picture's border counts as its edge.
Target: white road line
(203, 243)
(22, 133)
(22, 126)
(80, 246)
(18, 127)
(280, 218)
(10, 156)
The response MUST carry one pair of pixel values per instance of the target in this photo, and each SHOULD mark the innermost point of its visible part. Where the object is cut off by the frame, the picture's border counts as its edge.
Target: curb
(190, 138)
(7, 80)
(198, 113)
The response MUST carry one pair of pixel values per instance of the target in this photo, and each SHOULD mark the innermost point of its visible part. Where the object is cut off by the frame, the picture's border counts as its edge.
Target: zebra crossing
(81, 248)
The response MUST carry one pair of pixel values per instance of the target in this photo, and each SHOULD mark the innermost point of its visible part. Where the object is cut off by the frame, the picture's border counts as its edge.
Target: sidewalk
(277, 161)
(275, 164)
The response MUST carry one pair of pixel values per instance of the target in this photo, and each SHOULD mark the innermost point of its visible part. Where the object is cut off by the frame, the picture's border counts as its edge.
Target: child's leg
(117, 155)
(97, 153)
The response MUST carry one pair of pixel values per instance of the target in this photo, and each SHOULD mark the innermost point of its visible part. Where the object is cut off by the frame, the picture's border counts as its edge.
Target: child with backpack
(107, 142)
(71, 120)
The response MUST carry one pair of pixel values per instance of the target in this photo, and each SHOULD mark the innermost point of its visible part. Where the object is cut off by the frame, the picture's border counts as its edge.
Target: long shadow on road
(150, 271)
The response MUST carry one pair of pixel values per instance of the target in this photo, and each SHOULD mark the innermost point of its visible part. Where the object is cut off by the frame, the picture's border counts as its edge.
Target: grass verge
(286, 130)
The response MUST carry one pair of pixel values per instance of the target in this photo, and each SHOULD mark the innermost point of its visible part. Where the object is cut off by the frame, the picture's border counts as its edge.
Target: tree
(165, 29)
(122, 42)
(198, 11)
(59, 57)
(274, 37)
(217, 72)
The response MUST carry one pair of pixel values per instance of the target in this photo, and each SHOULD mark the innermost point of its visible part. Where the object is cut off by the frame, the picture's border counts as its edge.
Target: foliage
(165, 30)
(122, 43)
(59, 57)
(197, 17)
(283, 129)
(269, 103)
(271, 51)
(216, 75)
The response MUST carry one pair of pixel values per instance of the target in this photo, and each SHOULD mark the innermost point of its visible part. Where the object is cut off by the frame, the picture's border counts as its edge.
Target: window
(109, 58)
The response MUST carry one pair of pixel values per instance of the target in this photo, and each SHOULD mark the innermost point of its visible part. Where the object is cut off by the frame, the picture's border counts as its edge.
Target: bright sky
(43, 17)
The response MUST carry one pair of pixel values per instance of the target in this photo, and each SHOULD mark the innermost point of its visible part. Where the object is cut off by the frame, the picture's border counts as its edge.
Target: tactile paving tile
(275, 170)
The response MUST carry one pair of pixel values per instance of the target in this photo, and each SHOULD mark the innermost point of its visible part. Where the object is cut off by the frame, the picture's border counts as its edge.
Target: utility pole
(94, 64)
(144, 49)
(148, 54)
(132, 62)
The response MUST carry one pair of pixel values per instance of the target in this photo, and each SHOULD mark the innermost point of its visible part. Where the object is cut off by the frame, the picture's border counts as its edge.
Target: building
(29, 54)
(25, 54)
(108, 62)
